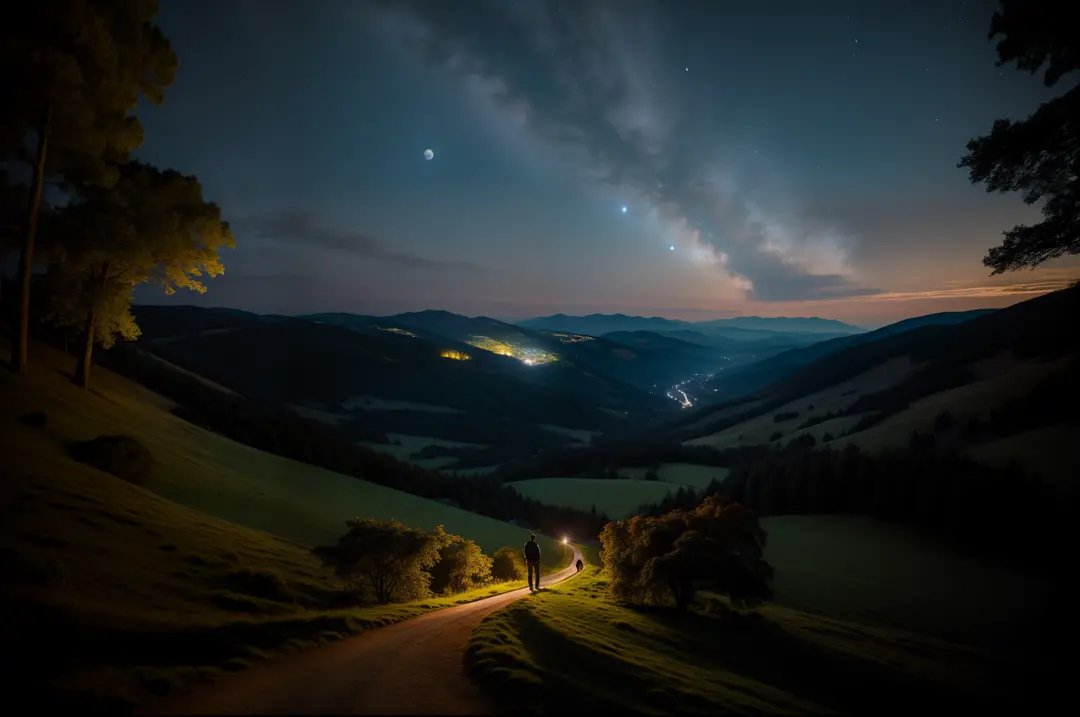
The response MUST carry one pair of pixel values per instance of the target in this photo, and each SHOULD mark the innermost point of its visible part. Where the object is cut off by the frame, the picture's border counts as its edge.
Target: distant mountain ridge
(743, 382)
(599, 324)
(1027, 342)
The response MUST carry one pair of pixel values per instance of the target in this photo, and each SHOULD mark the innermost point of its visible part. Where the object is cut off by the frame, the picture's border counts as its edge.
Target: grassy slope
(760, 428)
(115, 593)
(572, 644)
(229, 480)
(868, 571)
(998, 380)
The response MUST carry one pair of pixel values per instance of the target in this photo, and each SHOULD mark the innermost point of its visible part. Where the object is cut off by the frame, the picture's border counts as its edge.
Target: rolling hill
(646, 362)
(749, 379)
(201, 567)
(745, 328)
(371, 377)
(1007, 375)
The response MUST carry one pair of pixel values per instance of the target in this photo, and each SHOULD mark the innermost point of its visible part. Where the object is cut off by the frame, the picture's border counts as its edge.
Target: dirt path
(414, 667)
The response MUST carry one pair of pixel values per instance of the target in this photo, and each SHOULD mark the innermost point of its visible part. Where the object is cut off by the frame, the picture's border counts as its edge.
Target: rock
(122, 456)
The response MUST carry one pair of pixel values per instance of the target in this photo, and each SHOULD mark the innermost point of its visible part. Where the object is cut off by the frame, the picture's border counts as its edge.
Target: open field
(317, 414)
(412, 444)
(616, 498)
(863, 570)
(573, 644)
(678, 474)
(582, 437)
(759, 430)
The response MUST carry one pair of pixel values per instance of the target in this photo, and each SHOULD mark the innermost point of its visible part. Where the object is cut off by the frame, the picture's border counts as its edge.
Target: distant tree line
(998, 514)
(604, 460)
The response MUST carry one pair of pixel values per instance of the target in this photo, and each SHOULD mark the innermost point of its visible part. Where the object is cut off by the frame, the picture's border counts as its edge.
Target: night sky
(773, 158)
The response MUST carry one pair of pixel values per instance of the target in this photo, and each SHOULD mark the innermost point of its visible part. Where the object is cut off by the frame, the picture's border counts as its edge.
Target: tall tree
(1038, 156)
(71, 74)
(151, 225)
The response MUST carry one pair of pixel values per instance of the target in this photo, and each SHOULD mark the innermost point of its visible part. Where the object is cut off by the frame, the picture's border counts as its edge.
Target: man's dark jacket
(532, 552)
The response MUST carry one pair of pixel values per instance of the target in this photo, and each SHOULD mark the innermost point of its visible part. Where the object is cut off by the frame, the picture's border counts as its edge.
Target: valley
(652, 358)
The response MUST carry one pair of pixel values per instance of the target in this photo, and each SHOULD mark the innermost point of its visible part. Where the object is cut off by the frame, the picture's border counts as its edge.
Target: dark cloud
(302, 228)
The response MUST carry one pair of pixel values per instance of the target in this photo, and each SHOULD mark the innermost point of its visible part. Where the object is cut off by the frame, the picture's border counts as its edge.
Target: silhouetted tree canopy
(150, 225)
(1038, 156)
(71, 74)
(386, 557)
(716, 546)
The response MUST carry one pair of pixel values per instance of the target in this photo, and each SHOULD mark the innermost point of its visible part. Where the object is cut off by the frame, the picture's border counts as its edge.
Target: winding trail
(415, 667)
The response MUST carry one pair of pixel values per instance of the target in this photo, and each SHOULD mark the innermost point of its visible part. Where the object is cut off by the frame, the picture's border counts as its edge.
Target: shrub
(389, 558)
(507, 564)
(462, 566)
(122, 456)
(716, 546)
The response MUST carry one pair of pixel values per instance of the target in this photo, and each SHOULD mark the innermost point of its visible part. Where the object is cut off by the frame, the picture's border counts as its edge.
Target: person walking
(532, 560)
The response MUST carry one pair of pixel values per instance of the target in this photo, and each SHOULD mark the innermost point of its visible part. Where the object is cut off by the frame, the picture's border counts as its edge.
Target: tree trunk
(82, 368)
(26, 260)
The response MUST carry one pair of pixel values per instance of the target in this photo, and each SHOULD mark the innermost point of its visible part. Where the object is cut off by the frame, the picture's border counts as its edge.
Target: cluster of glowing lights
(528, 356)
(455, 355)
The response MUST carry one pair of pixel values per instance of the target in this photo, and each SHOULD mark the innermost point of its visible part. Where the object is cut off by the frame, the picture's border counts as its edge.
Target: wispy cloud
(302, 228)
(1023, 289)
(588, 85)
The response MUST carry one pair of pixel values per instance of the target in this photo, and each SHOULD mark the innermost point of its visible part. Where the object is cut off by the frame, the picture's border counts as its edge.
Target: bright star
(672, 247)
(624, 209)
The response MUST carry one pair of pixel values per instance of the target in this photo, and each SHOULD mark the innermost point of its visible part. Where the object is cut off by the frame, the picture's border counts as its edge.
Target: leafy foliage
(507, 564)
(1038, 156)
(89, 61)
(462, 566)
(72, 73)
(151, 225)
(386, 558)
(717, 545)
